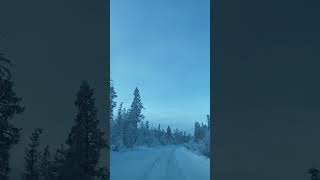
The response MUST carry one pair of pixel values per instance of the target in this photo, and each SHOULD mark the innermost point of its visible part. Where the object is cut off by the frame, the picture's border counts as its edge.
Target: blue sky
(163, 48)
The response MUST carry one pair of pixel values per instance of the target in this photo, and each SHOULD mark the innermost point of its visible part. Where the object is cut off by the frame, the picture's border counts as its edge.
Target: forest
(78, 158)
(129, 128)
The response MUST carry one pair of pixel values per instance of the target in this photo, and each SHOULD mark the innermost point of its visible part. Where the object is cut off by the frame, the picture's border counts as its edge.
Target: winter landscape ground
(172, 162)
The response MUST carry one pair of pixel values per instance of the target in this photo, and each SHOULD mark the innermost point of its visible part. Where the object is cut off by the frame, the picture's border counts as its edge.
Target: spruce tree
(135, 115)
(10, 106)
(85, 140)
(113, 104)
(32, 157)
(117, 129)
(113, 124)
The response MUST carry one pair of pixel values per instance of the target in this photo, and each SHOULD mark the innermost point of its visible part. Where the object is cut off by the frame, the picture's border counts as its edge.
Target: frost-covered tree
(202, 137)
(113, 124)
(10, 106)
(206, 144)
(134, 117)
(32, 157)
(113, 104)
(117, 129)
(85, 140)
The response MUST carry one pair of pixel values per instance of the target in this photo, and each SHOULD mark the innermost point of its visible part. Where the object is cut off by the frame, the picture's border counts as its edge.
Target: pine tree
(134, 117)
(113, 124)
(113, 104)
(10, 106)
(32, 157)
(85, 139)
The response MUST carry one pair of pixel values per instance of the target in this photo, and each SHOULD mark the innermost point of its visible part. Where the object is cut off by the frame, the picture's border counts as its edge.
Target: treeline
(77, 159)
(128, 128)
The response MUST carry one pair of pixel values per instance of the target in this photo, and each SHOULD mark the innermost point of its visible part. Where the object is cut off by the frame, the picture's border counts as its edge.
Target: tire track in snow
(149, 170)
(173, 170)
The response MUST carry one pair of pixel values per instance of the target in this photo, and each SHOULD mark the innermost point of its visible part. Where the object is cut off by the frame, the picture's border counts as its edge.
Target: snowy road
(161, 163)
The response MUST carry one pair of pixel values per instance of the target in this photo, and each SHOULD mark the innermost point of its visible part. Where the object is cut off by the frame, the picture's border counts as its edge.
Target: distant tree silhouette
(314, 173)
(113, 104)
(32, 157)
(85, 140)
(134, 116)
(10, 105)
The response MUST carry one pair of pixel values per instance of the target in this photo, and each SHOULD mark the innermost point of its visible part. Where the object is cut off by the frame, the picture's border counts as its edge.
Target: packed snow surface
(159, 163)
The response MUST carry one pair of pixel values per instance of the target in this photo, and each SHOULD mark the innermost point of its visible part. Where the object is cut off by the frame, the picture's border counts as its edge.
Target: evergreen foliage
(10, 106)
(85, 140)
(32, 157)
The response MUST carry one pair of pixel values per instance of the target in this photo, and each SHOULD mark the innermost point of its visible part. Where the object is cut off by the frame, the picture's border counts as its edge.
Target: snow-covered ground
(159, 163)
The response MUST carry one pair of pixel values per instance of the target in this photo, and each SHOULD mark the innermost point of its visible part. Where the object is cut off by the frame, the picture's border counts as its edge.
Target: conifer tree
(135, 115)
(85, 140)
(113, 124)
(113, 104)
(32, 157)
(117, 129)
(10, 106)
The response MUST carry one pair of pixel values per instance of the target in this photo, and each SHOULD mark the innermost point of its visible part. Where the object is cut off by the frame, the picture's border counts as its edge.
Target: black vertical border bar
(212, 119)
(108, 84)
